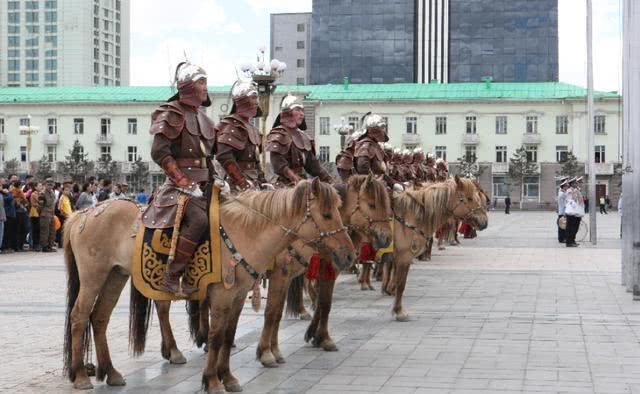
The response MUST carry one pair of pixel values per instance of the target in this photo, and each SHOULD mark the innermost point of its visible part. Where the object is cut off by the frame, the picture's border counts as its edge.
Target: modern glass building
(508, 40)
(369, 41)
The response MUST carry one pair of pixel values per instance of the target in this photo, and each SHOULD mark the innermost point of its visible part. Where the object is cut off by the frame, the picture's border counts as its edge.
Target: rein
(368, 229)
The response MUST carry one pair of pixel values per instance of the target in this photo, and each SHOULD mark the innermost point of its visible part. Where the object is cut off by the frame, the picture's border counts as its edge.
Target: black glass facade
(509, 40)
(369, 41)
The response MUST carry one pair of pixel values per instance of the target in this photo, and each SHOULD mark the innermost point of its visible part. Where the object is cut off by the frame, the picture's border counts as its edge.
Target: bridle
(462, 201)
(368, 229)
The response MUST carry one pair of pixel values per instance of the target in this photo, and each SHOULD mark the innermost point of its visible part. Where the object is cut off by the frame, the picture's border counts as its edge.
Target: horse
(366, 211)
(417, 214)
(99, 247)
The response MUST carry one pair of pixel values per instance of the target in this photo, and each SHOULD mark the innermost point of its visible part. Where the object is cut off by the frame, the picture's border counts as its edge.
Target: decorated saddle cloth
(151, 253)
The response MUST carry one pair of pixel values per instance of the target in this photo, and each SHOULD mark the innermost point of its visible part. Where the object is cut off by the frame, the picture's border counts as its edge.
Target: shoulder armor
(301, 140)
(367, 147)
(279, 141)
(233, 133)
(168, 119)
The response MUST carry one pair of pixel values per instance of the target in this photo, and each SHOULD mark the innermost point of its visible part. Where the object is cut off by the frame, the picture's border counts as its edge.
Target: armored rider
(183, 138)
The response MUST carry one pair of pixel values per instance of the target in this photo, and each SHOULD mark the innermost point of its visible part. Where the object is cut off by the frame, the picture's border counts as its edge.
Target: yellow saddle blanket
(152, 252)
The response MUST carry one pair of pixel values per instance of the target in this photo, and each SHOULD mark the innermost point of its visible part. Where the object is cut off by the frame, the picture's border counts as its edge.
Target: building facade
(487, 120)
(290, 43)
(507, 40)
(368, 41)
(64, 42)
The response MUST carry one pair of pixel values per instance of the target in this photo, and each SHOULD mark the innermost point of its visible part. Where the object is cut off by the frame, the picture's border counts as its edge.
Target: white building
(488, 120)
(64, 42)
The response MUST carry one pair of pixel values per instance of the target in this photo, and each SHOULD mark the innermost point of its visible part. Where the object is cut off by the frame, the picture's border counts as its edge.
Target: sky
(221, 35)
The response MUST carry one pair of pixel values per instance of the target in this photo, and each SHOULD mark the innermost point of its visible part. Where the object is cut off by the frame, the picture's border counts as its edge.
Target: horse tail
(193, 311)
(139, 320)
(73, 288)
(294, 296)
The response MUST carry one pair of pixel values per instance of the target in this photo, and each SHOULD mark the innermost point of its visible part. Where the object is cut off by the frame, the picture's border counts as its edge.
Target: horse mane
(277, 204)
(375, 189)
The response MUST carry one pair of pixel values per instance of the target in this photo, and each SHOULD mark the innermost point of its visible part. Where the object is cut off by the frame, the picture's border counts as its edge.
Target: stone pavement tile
(410, 370)
(463, 383)
(386, 389)
(337, 379)
(542, 375)
(336, 388)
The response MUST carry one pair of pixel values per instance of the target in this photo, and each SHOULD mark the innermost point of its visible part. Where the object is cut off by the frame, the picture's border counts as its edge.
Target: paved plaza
(510, 311)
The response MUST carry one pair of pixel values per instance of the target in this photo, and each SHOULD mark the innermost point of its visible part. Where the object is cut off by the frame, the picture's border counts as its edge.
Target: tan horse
(366, 211)
(99, 248)
(417, 215)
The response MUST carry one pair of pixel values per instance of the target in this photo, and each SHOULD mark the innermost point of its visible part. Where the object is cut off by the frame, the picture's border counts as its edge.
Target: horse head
(366, 209)
(322, 226)
(469, 203)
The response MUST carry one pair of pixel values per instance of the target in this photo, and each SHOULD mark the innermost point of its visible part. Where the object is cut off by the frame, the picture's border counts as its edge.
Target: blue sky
(223, 34)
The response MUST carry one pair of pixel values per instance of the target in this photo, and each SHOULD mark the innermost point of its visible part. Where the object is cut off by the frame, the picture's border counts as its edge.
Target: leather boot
(171, 280)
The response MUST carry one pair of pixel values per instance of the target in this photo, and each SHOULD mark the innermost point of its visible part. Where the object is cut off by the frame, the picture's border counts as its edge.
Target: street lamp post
(264, 76)
(28, 130)
(343, 129)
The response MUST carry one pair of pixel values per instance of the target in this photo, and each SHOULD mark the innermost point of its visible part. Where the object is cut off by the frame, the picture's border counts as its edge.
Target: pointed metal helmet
(374, 120)
(418, 150)
(290, 102)
(186, 72)
(244, 88)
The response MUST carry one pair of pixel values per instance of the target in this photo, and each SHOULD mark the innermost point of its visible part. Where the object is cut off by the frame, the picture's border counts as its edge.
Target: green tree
(571, 167)
(107, 168)
(77, 165)
(469, 167)
(45, 169)
(519, 168)
(11, 167)
(139, 178)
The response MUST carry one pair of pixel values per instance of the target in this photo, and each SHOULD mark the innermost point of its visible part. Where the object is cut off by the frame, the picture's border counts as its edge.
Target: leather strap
(199, 163)
(237, 256)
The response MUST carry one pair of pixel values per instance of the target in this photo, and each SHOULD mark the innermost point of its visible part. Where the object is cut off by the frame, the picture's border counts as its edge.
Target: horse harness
(461, 201)
(368, 230)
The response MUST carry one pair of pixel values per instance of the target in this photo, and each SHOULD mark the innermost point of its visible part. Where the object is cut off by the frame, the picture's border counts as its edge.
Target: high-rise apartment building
(64, 42)
(290, 43)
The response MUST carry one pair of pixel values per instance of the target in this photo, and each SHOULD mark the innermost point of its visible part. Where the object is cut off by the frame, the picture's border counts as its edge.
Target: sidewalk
(511, 311)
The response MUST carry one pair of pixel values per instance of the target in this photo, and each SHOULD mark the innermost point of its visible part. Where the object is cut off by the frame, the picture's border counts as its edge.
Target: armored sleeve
(161, 148)
(363, 164)
(314, 168)
(167, 120)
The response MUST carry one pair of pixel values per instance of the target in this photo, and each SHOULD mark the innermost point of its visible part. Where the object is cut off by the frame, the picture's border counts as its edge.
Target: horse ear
(315, 186)
(458, 181)
(367, 180)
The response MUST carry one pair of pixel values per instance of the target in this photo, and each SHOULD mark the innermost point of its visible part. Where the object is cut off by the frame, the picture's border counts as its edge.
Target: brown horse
(417, 214)
(366, 211)
(99, 247)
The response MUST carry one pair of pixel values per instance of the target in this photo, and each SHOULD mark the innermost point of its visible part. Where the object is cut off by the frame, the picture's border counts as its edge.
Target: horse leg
(402, 270)
(100, 316)
(168, 348)
(387, 260)
(219, 316)
(302, 311)
(272, 315)
(364, 276)
(312, 290)
(203, 329)
(429, 249)
(231, 383)
(80, 315)
(325, 298)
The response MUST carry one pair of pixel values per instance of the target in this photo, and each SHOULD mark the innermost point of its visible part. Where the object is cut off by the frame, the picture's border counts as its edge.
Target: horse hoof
(216, 391)
(402, 317)
(328, 346)
(279, 358)
(268, 360)
(233, 387)
(177, 357)
(115, 379)
(371, 287)
(83, 385)
(305, 316)
(91, 369)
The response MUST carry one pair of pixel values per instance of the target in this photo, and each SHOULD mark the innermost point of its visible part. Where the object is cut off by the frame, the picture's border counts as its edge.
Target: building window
(562, 152)
(13, 29)
(51, 29)
(324, 154)
(23, 154)
(471, 124)
(14, 5)
(562, 124)
(132, 126)
(532, 153)
(51, 52)
(105, 153)
(51, 4)
(325, 125)
(599, 124)
(52, 125)
(412, 125)
(300, 44)
(105, 126)
(501, 154)
(278, 49)
(410, 147)
(13, 77)
(31, 5)
(50, 64)
(78, 126)
(441, 152)
(1, 125)
(300, 81)
(52, 156)
(13, 17)
(31, 64)
(600, 158)
(531, 187)
(132, 154)
(13, 65)
(25, 122)
(13, 41)
(50, 16)
(52, 40)
(354, 122)
(301, 27)
(501, 125)
(33, 29)
(441, 125)
(532, 124)
(470, 153)
(500, 187)
(31, 53)
(157, 180)
(31, 17)
(13, 53)
(300, 63)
